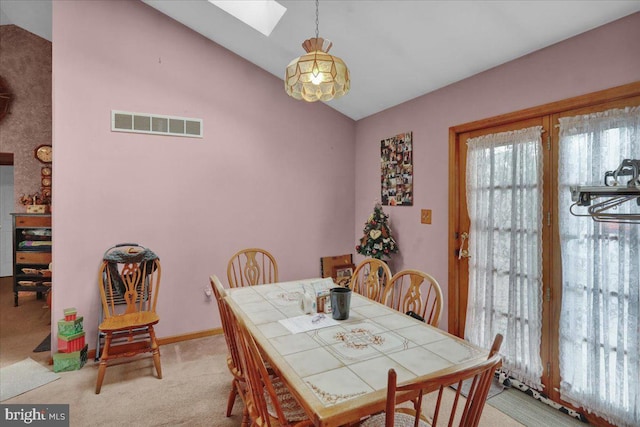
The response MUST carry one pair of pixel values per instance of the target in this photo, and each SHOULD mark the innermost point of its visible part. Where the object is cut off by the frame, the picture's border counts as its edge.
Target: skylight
(261, 15)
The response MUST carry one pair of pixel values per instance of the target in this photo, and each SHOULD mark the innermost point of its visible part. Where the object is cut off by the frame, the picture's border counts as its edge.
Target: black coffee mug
(340, 303)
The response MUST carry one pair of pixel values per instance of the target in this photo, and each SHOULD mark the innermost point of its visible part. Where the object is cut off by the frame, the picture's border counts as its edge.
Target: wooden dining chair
(414, 290)
(370, 278)
(480, 374)
(252, 266)
(269, 401)
(129, 279)
(238, 385)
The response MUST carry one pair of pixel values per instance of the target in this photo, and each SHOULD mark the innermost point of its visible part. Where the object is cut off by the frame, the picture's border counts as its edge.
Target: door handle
(463, 253)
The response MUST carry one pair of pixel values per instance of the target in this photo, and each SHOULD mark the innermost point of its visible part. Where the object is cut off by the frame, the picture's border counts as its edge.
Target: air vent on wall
(125, 121)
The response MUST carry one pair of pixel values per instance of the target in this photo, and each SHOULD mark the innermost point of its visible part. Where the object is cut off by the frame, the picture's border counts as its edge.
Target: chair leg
(103, 362)
(156, 352)
(232, 396)
(246, 421)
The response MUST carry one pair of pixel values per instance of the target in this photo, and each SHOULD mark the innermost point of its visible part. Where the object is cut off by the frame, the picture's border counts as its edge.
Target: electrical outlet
(425, 216)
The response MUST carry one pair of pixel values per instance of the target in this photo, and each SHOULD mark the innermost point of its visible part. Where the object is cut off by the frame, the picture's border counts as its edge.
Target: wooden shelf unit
(34, 259)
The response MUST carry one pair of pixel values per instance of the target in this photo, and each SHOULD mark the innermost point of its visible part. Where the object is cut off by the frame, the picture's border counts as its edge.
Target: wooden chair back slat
(252, 266)
(417, 291)
(256, 375)
(260, 386)
(234, 363)
(229, 335)
(370, 278)
(141, 283)
(480, 374)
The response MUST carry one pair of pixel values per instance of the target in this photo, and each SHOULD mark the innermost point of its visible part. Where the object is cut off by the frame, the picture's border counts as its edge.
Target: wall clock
(46, 182)
(44, 153)
(46, 171)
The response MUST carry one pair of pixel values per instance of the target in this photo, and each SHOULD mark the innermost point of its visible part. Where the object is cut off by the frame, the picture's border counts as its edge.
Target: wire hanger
(615, 192)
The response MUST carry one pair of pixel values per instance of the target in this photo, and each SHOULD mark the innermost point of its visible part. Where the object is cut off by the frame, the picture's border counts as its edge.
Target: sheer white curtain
(504, 198)
(599, 326)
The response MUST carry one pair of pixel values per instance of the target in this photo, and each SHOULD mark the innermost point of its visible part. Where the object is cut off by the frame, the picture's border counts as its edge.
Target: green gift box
(70, 327)
(63, 362)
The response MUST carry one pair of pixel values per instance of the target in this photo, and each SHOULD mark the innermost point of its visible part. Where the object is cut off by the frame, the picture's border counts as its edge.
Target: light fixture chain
(317, 20)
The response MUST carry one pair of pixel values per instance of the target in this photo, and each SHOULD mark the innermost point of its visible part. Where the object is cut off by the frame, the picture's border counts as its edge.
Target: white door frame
(6, 222)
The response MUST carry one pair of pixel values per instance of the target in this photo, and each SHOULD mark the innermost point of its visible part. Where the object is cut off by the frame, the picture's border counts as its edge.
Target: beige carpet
(193, 390)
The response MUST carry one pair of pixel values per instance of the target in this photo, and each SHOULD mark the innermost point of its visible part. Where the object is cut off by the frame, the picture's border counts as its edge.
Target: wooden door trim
(612, 94)
(453, 289)
(454, 225)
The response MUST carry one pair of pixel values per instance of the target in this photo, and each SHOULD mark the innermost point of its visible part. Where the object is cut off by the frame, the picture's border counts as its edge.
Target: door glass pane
(599, 323)
(504, 199)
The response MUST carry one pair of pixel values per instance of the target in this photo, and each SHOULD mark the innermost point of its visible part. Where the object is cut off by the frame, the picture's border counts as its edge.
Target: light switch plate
(425, 216)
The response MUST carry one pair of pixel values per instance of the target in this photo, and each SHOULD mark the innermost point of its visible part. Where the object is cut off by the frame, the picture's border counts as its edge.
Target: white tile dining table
(338, 372)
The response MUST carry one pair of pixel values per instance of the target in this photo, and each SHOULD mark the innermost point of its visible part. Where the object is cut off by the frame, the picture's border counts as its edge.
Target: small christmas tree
(377, 241)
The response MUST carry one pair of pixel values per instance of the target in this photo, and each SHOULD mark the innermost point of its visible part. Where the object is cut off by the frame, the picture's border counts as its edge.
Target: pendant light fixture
(317, 76)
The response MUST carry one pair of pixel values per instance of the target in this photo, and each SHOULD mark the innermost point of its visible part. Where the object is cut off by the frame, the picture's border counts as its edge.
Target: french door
(505, 193)
(546, 118)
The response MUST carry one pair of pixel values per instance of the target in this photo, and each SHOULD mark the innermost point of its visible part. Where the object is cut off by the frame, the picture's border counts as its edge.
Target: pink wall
(605, 57)
(270, 171)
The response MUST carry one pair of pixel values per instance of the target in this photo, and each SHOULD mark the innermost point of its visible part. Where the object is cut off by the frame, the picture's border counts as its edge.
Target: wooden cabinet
(31, 254)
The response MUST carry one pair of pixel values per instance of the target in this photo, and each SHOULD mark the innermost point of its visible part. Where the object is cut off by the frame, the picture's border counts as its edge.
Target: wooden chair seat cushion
(129, 321)
(292, 410)
(400, 420)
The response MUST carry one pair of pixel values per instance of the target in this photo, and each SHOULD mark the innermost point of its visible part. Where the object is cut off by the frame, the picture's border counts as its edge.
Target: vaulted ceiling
(395, 50)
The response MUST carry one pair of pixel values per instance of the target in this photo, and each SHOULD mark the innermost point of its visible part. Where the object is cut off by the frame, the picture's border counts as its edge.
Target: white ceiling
(395, 50)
